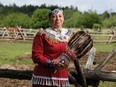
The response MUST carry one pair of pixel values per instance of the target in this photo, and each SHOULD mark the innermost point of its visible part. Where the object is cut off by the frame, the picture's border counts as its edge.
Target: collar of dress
(62, 36)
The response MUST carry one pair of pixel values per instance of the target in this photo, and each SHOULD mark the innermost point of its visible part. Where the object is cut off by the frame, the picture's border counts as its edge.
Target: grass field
(104, 47)
(9, 51)
(12, 52)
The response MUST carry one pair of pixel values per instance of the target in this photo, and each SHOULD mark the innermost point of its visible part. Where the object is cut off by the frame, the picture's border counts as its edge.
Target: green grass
(10, 50)
(101, 37)
(104, 47)
(107, 84)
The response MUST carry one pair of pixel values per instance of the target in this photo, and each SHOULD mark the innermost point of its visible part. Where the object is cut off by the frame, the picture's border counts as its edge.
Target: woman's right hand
(57, 62)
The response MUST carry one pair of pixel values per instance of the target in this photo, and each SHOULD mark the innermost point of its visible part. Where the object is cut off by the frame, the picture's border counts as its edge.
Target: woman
(48, 45)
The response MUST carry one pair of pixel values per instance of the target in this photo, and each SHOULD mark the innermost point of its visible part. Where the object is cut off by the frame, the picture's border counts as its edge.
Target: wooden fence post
(91, 57)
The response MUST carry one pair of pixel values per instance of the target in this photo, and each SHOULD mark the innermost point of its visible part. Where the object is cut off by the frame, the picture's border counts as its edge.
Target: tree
(28, 9)
(73, 21)
(17, 19)
(105, 15)
(40, 18)
(90, 19)
(97, 27)
(111, 22)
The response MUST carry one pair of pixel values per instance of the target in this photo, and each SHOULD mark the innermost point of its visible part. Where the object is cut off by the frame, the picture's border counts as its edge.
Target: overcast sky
(83, 5)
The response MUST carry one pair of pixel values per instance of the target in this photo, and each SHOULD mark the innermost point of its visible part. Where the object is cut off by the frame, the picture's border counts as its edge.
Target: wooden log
(73, 80)
(89, 74)
(80, 72)
(90, 82)
(16, 74)
(100, 75)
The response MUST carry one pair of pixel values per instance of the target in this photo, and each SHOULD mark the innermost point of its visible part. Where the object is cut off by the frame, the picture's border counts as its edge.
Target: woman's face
(57, 20)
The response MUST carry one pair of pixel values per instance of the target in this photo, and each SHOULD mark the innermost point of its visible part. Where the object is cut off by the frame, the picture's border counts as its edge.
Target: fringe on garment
(50, 81)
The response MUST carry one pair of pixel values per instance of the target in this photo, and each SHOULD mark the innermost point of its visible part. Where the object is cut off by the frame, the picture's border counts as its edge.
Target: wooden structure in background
(19, 33)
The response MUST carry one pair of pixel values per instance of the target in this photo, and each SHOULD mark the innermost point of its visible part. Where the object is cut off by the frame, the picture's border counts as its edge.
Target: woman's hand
(57, 62)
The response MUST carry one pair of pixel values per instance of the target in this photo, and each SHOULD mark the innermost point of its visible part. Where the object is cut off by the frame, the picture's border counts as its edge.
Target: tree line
(29, 16)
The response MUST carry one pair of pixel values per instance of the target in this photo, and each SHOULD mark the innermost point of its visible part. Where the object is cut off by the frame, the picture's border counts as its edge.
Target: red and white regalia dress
(49, 44)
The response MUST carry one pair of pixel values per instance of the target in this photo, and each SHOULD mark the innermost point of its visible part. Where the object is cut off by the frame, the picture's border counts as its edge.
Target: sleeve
(37, 49)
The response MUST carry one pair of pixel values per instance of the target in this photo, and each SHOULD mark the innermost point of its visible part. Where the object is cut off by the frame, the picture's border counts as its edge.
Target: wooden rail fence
(18, 33)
